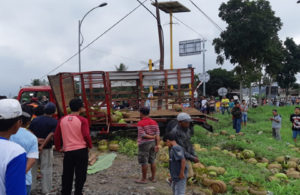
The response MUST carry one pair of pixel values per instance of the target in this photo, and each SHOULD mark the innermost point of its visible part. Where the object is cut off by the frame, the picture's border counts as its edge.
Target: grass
(262, 144)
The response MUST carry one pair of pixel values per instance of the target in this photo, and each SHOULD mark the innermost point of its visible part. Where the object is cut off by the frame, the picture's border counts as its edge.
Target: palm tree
(121, 67)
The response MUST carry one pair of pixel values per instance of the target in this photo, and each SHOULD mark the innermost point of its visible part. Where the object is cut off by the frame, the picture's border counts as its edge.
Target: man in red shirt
(73, 131)
(148, 141)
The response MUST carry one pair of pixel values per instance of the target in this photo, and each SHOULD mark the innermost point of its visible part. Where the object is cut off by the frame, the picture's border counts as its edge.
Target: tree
(221, 78)
(252, 28)
(291, 65)
(121, 67)
(39, 82)
(273, 63)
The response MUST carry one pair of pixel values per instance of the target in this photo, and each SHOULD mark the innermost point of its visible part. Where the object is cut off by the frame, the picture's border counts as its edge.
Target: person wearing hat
(183, 134)
(13, 156)
(43, 128)
(29, 142)
(236, 117)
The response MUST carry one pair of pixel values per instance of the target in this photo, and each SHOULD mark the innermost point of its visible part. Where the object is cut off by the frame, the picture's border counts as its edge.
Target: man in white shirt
(13, 156)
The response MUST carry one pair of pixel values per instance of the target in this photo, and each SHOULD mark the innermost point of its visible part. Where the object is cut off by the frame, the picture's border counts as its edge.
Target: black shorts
(211, 109)
(147, 153)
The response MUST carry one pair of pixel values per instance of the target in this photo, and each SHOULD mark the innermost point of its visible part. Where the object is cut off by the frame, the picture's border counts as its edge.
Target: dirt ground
(117, 180)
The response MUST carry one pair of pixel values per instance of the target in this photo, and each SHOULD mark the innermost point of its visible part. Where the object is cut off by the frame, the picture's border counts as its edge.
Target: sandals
(140, 182)
(152, 180)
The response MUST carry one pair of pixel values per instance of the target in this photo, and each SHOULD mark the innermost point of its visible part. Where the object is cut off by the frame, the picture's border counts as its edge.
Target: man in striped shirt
(148, 141)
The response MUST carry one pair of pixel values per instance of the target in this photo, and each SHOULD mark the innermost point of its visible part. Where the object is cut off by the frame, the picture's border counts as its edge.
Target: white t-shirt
(203, 103)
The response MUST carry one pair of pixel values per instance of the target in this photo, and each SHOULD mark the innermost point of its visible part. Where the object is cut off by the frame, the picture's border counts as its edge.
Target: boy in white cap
(13, 156)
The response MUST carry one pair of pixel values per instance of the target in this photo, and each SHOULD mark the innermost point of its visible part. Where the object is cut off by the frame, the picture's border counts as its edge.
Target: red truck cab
(27, 93)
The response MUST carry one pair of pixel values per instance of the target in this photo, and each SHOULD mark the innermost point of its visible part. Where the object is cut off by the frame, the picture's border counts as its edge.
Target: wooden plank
(163, 113)
(123, 92)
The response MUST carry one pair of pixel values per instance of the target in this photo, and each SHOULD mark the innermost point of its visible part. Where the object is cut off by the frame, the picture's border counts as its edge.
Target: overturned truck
(112, 99)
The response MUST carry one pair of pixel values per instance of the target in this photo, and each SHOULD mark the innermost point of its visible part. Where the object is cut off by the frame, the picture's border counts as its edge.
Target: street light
(80, 35)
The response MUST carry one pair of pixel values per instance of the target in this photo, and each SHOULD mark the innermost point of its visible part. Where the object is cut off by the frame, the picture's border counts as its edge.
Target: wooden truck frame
(102, 91)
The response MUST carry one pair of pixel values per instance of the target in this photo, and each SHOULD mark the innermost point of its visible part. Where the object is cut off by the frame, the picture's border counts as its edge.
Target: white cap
(184, 117)
(10, 109)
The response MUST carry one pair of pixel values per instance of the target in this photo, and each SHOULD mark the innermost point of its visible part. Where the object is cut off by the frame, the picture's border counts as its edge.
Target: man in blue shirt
(13, 156)
(177, 165)
(28, 141)
(43, 128)
(276, 125)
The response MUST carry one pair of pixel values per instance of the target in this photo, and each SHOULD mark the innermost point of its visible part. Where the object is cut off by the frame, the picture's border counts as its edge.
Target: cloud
(37, 36)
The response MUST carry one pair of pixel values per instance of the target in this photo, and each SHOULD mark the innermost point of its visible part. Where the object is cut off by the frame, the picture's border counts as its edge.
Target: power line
(186, 25)
(211, 20)
(142, 4)
(104, 51)
(189, 27)
(160, 31)
(110, 28)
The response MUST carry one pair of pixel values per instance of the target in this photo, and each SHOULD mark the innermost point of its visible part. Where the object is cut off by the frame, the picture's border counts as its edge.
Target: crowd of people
(213, 105)
(27, 137)
(239, 112)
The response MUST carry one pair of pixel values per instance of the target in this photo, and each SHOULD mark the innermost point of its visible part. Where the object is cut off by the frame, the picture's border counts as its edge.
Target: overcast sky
(38, 35)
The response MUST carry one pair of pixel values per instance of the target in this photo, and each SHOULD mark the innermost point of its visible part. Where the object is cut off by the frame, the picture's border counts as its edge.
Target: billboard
(190, 47)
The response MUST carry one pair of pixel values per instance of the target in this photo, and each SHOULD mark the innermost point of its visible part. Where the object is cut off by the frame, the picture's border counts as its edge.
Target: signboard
(190, 47)
(204, 78)
(222, 91)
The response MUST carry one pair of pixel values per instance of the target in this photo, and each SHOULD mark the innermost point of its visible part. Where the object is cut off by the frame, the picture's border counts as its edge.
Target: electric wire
(142, 4)
(117, 55)
(85, 47)
(189, 27)
(161, 31)
(211, 20)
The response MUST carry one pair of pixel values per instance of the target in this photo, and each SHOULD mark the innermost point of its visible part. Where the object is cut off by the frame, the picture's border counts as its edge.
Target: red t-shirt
(147, 126)
(73, 133)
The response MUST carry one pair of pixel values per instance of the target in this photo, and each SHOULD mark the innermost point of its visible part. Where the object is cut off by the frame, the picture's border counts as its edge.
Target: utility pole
(169, 7)
(204, 73)
(160, 37)
(171, 41)
(79, 46)
(150, 69)
(171, 45)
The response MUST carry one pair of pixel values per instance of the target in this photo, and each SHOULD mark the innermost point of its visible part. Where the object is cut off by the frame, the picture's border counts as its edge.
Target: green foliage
(128, 147)
(251, 27)
(121, 67)
(221, 78)
(274, 58)
(263, 145)
(291, 66)
(250, 38)
(39, 82)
